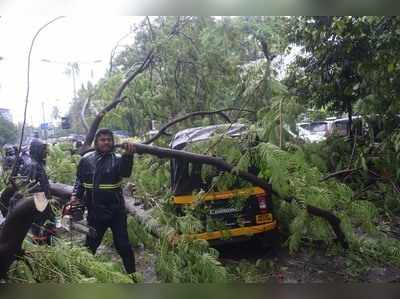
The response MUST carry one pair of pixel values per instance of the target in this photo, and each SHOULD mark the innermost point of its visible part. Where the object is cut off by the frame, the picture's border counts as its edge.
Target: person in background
(37, 181)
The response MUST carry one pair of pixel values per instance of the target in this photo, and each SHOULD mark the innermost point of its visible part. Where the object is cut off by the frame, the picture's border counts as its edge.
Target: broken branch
(114, 103)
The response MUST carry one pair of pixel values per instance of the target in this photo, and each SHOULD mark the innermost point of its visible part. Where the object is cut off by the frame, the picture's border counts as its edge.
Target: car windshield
(318, 127)
(341, 125)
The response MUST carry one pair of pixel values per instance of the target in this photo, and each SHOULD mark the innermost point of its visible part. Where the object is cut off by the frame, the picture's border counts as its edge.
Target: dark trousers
(118, 225)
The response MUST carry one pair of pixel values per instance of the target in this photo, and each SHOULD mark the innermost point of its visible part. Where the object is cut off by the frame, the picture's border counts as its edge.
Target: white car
(313, 131)
(319, 130)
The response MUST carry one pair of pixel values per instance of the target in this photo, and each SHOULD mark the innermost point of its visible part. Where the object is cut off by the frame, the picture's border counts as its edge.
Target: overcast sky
(82, 39)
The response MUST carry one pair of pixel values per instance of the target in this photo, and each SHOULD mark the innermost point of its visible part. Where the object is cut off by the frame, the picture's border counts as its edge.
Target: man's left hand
(129, 148)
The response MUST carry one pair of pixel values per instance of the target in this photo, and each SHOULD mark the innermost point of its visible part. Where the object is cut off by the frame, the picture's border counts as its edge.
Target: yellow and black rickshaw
(253, 217)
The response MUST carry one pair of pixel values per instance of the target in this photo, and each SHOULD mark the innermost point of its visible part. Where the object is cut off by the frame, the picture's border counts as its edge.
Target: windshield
(318, 127)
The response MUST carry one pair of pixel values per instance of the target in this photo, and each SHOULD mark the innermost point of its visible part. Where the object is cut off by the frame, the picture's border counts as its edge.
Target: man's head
(9, 150)
(104, 141)
(38, 150)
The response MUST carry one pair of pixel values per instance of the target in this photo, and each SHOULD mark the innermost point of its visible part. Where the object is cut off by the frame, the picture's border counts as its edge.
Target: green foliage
(190, 262)
(137, 234)
(233, 150)
(65, 263)
(208, 64)
(61, 164)
(151, 176)
(379, 249)
(291, 175)
(8, 131)
(347, 63)
(251, 272)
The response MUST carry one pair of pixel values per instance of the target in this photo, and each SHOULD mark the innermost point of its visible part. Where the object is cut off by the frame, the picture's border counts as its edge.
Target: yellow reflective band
(104, 186)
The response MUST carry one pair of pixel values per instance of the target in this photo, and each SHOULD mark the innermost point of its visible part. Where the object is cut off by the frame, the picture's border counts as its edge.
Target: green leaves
(190, 262)
(8, 132)
(61, 165)
(64, 263)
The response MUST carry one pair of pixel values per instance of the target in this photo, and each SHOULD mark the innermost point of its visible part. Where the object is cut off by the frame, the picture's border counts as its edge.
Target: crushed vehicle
(252, 217)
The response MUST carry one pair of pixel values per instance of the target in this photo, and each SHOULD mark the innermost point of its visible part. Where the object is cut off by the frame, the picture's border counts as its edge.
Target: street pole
(73, 80)
(44, 122)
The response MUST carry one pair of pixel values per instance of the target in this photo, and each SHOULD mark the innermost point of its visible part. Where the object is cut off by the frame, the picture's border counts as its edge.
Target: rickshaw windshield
(187, 177)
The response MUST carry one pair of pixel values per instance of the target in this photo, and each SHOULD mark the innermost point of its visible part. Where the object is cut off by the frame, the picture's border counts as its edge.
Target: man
(37, 181)
(98, 187)
(9, 156)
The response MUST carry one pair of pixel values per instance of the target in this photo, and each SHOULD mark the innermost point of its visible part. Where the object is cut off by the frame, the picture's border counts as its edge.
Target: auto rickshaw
(253, 217)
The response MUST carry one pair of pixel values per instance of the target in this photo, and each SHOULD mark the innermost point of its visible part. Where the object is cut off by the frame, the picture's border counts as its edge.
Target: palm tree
(72, 70)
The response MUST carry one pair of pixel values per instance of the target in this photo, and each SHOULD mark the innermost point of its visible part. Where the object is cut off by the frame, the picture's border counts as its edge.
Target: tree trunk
(350, 117)
(5, 197)
(145, 218)
(14, 231)
(62, 191)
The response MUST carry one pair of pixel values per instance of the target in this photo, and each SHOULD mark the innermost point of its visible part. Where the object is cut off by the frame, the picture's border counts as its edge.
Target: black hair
(103, 131)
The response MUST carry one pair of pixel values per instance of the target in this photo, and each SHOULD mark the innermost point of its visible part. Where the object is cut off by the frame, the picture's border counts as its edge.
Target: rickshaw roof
(203, 133)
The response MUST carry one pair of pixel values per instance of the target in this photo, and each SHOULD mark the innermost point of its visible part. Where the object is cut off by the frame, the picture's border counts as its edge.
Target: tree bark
(145, 218)
(62, 191)
(14, 231)
(350, 117)
(5, 197)
(338, 173)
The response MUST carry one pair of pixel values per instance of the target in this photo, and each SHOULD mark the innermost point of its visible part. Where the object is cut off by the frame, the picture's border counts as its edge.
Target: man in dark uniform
(98, 187)
(37, 181)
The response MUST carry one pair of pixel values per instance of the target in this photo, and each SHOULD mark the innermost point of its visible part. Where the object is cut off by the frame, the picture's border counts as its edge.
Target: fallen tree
(16, 226)
(222, 165)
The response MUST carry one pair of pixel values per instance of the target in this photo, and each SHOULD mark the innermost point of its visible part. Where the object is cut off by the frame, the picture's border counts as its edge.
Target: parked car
(313, 131)
(340, 126)
(254, 217)
(121, 134)
(317, 131)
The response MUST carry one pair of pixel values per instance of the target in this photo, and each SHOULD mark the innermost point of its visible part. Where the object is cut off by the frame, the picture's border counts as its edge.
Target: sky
(71, 39)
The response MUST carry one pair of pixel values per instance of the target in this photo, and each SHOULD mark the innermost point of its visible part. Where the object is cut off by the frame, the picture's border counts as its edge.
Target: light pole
(1, 58)
(73, 67)
(44, 124)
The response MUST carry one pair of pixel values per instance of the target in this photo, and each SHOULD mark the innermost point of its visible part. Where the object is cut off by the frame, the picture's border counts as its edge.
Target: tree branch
(338, 173)
(114, 103)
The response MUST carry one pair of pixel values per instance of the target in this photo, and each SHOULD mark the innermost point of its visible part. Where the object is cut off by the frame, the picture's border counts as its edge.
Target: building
(5, 113)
